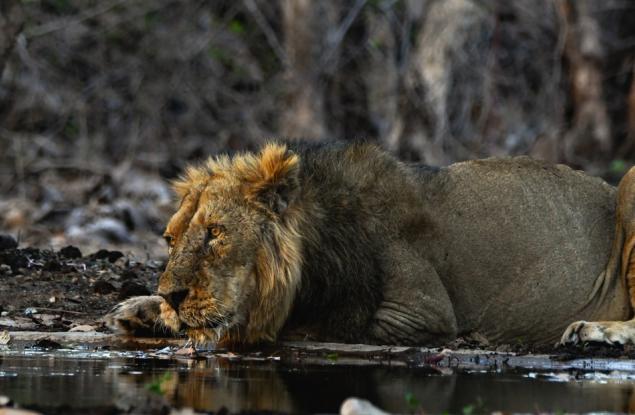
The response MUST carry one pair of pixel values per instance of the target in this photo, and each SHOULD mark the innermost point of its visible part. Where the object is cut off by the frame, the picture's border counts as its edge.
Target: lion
(344, 242)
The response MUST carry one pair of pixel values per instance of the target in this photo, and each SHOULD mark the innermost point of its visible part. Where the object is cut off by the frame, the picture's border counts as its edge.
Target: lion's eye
(214, 231)
(168, 239)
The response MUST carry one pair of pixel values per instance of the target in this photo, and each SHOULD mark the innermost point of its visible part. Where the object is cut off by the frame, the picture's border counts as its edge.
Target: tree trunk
(304, 27)
(11, 22)
(590, 132)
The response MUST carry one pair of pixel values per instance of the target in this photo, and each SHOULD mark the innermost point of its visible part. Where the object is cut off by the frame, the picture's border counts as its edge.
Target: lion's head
(234, 248)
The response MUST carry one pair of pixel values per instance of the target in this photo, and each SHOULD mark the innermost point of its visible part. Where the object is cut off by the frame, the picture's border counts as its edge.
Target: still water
(108, 382)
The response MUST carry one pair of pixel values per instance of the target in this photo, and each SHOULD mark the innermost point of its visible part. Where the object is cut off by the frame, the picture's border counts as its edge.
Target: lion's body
(369, 249)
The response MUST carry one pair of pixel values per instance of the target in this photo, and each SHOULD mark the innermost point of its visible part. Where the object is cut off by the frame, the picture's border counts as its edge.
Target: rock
(21, 323)
(103, 287)
(48, 320)
(129, 274)
(52, 265)
(14, 258)
(83, 328)
(47, 344)
(70, 252)
(132, 289)
(109, 229)
(16, 411)
(111, 256)
(5, 270)
(7, 242)
(356, 406)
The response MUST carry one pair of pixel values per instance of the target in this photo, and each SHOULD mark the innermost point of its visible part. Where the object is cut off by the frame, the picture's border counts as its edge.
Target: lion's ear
(272, 177)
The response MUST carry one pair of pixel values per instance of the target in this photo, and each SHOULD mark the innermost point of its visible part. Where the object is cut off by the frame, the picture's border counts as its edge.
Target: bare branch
(269, 33)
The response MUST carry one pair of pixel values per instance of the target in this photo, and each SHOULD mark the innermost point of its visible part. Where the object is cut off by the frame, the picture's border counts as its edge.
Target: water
(107, 382)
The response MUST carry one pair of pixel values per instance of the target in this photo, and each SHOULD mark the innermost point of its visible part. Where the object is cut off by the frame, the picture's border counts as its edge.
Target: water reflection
(45, 380)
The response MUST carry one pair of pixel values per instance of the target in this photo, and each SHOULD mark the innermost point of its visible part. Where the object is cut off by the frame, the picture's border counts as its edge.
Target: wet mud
(45, 290)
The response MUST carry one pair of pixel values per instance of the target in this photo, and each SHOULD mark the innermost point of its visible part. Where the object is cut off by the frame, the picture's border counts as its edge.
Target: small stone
(15, 259)
(29, 311)
(52, 265)
(83, 328)
(5, 338)
(5, 269)
(47, 344)
(128, 274)
(48, 320)
(21, 323)
(356, 406)
(187, 352)
(52, 300)
(111, 256)
(70, 252)
(17, 411)
(103, 287)
(7, 242)
(4, 314)
(132, 289)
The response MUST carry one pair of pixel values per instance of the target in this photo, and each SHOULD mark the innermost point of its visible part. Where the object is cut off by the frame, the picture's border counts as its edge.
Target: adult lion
(342, 242)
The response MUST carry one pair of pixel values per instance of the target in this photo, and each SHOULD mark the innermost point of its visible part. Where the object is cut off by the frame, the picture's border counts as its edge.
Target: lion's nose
(175, 298)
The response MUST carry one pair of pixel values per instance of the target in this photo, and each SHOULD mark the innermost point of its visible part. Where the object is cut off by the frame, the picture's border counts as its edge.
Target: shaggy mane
(279, 260)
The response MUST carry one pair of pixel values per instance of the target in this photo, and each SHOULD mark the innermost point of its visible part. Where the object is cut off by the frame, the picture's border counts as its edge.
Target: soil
(45, 290)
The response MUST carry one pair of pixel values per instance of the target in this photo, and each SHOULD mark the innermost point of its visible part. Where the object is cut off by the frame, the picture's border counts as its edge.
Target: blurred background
(102, 102)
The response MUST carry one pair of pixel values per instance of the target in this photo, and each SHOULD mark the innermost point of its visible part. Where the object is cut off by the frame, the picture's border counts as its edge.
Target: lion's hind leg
(618, 275)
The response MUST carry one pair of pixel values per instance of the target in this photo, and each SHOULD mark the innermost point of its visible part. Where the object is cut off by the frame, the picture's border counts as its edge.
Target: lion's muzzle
(175, 298)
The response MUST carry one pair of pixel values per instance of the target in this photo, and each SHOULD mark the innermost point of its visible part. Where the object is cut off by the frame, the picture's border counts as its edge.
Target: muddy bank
(45, 290)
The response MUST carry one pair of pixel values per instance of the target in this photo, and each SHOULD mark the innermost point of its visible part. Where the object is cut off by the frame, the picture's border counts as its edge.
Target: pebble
(7, 242)
(83, 328)
(356, 406)
(111, 256)
(16, 411)
(70, 252)
(18, 323)
(132, 289)
(48, 320)
(103, 287)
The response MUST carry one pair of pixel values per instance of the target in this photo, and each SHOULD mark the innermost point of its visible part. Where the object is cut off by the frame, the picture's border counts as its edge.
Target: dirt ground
(47, 290)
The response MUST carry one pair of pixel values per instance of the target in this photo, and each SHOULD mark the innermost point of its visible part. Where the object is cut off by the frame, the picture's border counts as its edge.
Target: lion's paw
(137, 316)
(610, 332)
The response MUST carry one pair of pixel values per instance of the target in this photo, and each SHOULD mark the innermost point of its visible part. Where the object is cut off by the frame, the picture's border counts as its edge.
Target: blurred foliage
(160, 83)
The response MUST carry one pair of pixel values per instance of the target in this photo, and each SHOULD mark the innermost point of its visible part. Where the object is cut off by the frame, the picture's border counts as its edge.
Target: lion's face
(222, 249)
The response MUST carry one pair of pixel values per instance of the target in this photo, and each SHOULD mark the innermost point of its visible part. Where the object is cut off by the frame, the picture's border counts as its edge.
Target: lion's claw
(571, 334)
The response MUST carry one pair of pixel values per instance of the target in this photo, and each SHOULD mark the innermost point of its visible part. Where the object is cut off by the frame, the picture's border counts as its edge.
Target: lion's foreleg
(142, 315)
(416, 308)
